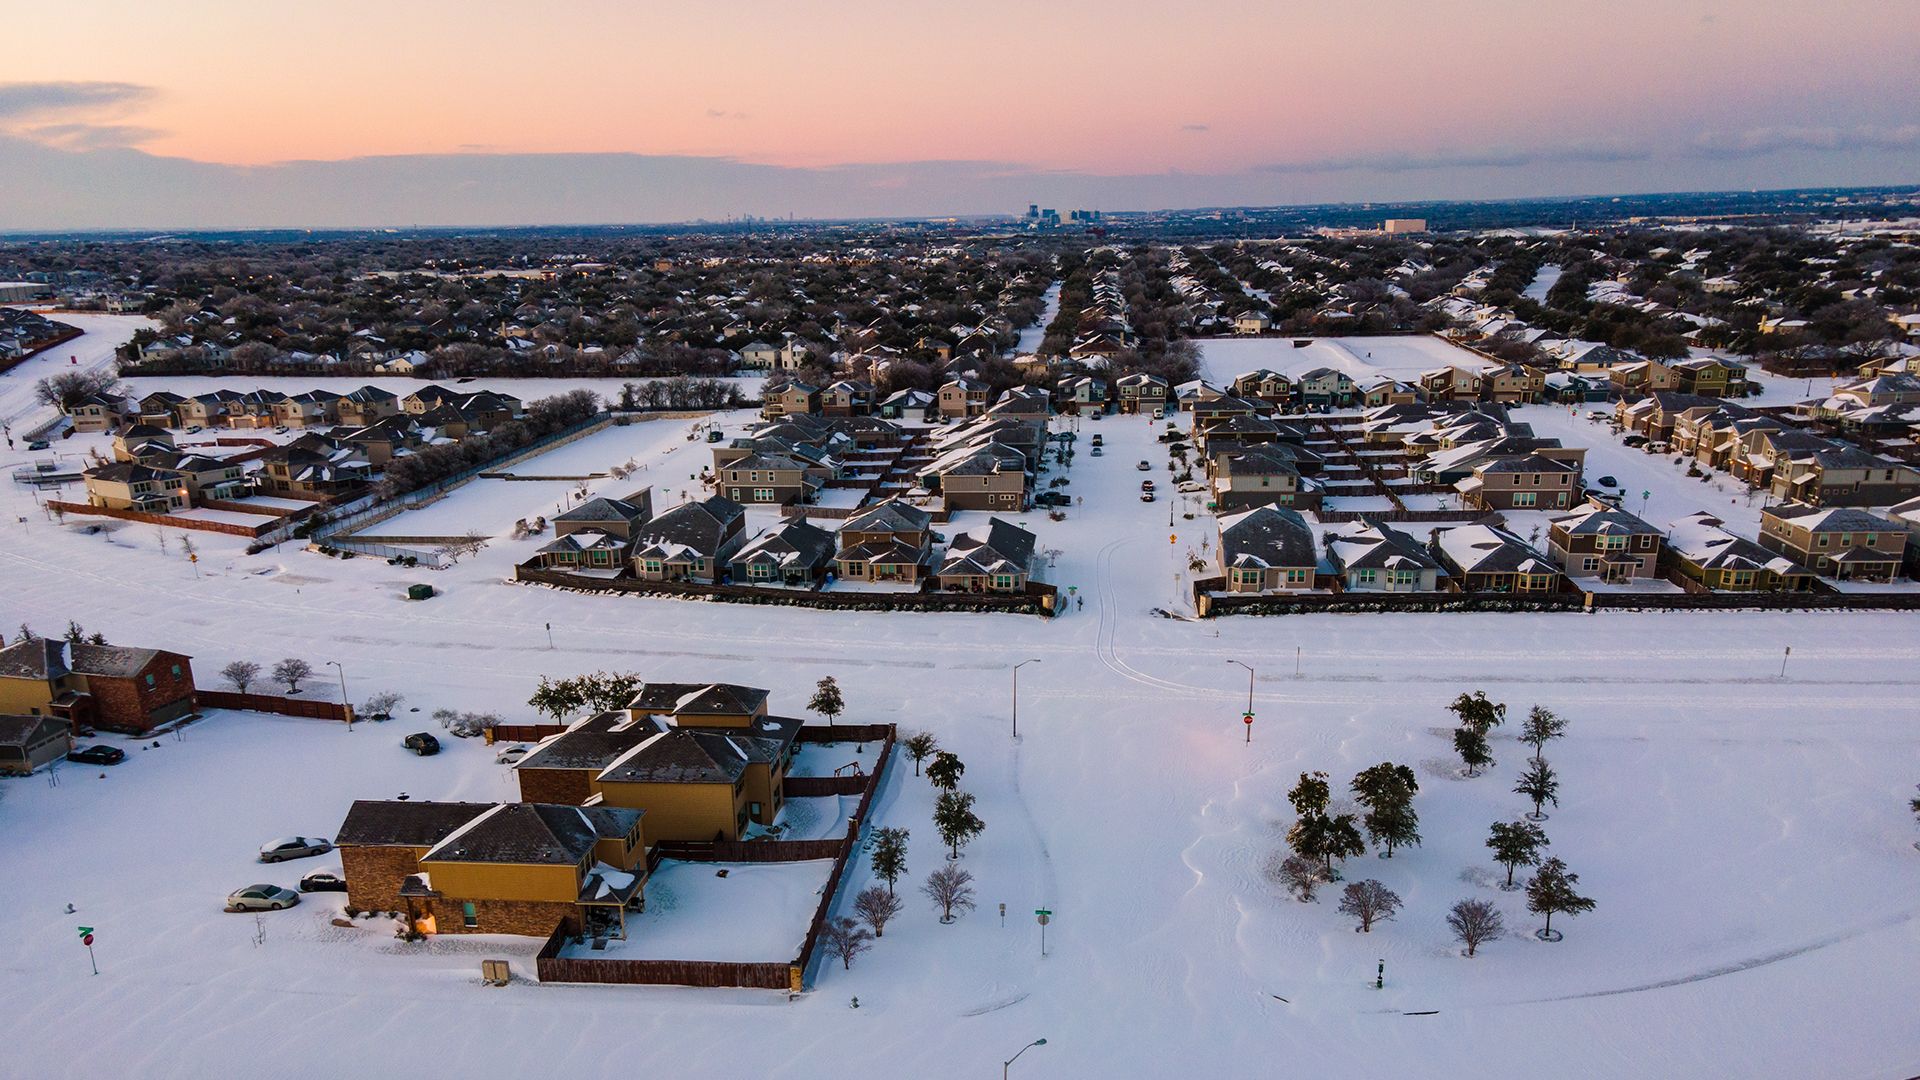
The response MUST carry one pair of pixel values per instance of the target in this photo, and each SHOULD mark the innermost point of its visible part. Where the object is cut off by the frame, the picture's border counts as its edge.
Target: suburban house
(1083, 395)
(689, 542)
(770, 479)
(494, 868)
(1599, 540)
(314, 465)
(140, 441)
(101, 412)
(1707, 376)
(28, 741)
(795, 553)
(1266, 549)
(1384, 391)
(989, 477)
(592, 549)
(792, 398)
(997, 558)
(1380, 558)
(1141, 392)
(126, 485)
(1703, 550)
(1839, 475)
(1029, 403)
(1488, 559)
(892, 541)
(367, 405)
(1325, 388)
(1263, 385)
(613, 517)
(1450, 384)
(1260, 476)
(210, 478)
(907, 404)
(759, 354)
(1513, 383)
(1520, 482)
(1252, 322)
(847, 397)
(962, 397)
(1835, 542)
(104, 686)
(1641, 377)
(314, 408)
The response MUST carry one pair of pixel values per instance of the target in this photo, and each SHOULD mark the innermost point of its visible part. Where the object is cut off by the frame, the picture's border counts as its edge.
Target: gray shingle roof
(1268, 536)
(392, 823)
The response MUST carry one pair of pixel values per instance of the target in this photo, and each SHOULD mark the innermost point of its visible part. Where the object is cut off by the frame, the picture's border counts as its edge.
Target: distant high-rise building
(1405, 225)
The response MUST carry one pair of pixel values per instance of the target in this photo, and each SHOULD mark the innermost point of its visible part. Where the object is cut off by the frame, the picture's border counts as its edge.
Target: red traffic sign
(1248, 718)
(87, 940)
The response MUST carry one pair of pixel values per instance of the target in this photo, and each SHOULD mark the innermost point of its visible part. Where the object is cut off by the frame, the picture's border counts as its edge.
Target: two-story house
(1842, 543)
(106, 686)
(690, 542)
(962, 397)
(770, 479)
(892, 541)
(1597, 540)
(1266, 549)
(1142, 393)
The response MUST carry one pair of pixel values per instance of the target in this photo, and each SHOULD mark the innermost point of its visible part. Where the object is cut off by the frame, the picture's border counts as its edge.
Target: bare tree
(1298, 874)
(465, 725)
(951, 889)
(241, 673)
(69, 389)
(380, 706)
(844, 939)
(468, 544)
(877, 907)
(1475, 922)
(1368, 900)
(290, 671)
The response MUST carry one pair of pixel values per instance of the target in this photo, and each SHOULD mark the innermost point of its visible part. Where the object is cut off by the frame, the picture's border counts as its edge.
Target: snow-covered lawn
(1745, 835)
(821, 759)
(1362, 358)
(758, 913)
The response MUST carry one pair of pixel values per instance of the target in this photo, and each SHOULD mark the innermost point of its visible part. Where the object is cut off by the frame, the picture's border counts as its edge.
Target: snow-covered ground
(1031, 337)
(758, 913)
(1396, 357)
(1543, 282)
(92, 351)
(1745, 835)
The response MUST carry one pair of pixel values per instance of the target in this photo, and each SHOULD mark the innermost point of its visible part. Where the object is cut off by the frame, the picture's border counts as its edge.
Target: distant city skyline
(168, 115)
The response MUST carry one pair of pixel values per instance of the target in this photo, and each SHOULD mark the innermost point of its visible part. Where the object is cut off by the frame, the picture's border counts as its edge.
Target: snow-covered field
(1395, 357)
(758, 913)
(1746, 835)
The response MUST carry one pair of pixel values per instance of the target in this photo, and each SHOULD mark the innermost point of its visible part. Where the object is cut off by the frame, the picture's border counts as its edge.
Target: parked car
(294, 847)
(262, 898)
(1053, 498)
(422, 743)
(97, 755)
(1146, 466)
(193, 429)
(1146, 485)
(510, 754)
(1097, 440)
(323, 881)
(1188, 487)
(1146, 496)
(1096, 452)
(38, 444)
(1608, 481)
(1634, 441)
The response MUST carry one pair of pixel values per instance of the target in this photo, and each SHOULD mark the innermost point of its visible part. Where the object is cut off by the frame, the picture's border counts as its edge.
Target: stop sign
(87, 940)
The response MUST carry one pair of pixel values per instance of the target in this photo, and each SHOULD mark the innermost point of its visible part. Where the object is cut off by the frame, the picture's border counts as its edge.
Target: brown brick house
(1598, 540)
(105, 686)
(381, 843)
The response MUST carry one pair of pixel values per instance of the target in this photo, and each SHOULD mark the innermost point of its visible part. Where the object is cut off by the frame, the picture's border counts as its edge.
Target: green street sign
(1041, 911)
(85, 930)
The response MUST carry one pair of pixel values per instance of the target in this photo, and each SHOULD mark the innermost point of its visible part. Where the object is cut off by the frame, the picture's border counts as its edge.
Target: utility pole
(1016, 694)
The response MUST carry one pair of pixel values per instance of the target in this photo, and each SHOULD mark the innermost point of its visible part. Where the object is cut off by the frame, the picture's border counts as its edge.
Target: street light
(1007, 1064)
(1249, 699)
(343, 692)
(1016, 694)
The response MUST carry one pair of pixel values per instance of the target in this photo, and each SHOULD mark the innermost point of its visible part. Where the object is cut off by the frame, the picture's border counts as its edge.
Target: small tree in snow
(75, 635)
(468, 544)
(381, 705)
(1315, 834)
(946, 770)
(1299, 875)
(1515, 845)
(843, 939)
(465, 725)
(951, 889)
(953, 815)
(599, 691)
(290, 671)
(1368, 900)
(26, 634)
(890, 854)
(1387, 791)
(1539, 784)
(1551, 890)
(1475, 922)
(241, 673)
(920, 746)
(1476, 712)
(827, 700)
(1471, 744)
(1542, 727)
(877, 906)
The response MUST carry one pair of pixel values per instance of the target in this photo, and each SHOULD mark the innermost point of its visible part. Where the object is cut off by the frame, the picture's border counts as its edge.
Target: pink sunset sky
(1260, 102)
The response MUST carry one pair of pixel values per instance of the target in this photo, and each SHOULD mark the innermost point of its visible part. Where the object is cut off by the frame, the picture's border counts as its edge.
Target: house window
(754, 809)
(1003, 581)
(1591, 562)
(1365, 576)
(762, 494)
(150, 680)
(469, 916)
(653, 566)
(1294, 577)
(176, 671)
(856, 569)
(1525, 498)
(759, 571)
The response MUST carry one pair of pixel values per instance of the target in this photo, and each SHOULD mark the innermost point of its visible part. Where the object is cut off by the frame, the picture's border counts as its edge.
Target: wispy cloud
(1195, 127)
(22, 100)
(1771, 140)
(1493, 157)
(92, 136)
(722, 114)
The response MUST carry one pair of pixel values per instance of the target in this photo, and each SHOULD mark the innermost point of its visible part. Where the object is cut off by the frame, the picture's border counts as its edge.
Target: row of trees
(543, 418)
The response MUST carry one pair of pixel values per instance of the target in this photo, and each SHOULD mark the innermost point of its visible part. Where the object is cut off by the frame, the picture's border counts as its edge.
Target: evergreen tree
(953, 815)
(26, 634)
(890, 854)
(1551, 890)
(1471, 744)
(1311, 795)
(1387, 791)
(1476, 712)
(1316, 835)
(1539, 784)
(1516, 845)
(946, 770)
(920, 746)
(827, 700)
(75, 635)
(1542, 727)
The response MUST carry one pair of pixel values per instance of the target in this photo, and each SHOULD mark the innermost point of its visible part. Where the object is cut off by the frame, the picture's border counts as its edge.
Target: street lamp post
(343, 692)
(1016, 694)
(1249, 699)
(1008, 1064)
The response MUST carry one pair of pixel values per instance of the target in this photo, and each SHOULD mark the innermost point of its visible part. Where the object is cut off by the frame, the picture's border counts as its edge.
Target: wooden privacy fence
(269, 703)
(749, 851)
(815, 787)
(201, 524)
(552, 967)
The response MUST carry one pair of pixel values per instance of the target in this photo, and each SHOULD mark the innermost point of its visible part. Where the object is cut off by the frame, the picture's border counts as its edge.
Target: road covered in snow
(1745, 834)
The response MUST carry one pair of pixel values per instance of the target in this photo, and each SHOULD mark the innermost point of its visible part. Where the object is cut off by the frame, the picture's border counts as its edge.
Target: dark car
(1634, 441)
(1097, 440)
(323, 881)
(422, 744)
(97, 755)
(1052, 498)
(38, 444)
(1608, 481)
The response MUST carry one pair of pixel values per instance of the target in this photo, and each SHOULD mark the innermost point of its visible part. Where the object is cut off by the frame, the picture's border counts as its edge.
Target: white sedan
(262, 898)
(294, 847)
